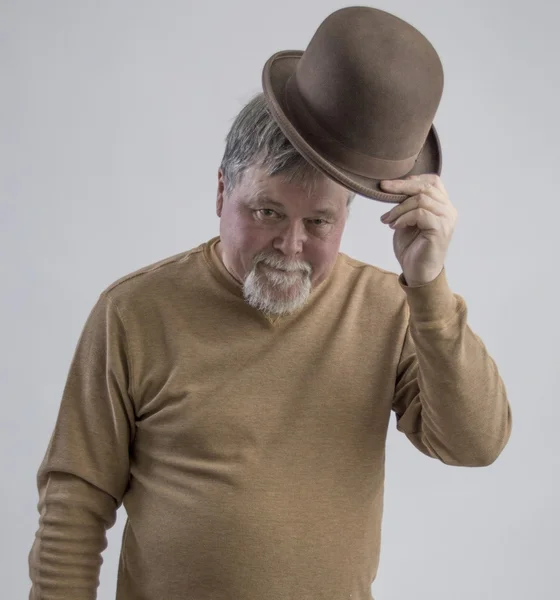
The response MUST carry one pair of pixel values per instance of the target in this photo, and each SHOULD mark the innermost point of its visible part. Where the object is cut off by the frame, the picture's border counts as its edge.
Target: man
(235, 398)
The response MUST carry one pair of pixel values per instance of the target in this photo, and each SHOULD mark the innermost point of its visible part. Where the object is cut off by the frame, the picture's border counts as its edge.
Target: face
(279, 240)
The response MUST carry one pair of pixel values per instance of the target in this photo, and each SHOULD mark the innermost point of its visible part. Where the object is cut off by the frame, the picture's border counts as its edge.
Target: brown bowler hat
(359, 103)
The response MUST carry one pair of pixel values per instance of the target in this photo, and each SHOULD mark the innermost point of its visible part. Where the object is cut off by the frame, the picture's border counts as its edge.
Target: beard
(277, 292)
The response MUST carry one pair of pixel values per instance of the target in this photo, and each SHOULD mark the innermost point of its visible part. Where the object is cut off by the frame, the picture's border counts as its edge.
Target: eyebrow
(260, 200)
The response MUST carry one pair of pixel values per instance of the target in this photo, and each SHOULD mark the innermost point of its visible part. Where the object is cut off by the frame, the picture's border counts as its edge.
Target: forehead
(323, 196)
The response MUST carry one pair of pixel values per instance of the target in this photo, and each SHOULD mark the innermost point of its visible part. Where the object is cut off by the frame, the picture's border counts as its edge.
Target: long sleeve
(449, 399)
(84, 473)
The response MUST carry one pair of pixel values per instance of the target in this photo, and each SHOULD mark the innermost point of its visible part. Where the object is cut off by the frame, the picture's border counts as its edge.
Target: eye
(261, 210)
(316, 222)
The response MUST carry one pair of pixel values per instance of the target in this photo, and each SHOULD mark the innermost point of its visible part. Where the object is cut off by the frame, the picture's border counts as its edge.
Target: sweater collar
(226, 279)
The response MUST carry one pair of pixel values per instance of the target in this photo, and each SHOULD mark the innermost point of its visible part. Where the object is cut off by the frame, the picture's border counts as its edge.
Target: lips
(281, 270)
(273, 268)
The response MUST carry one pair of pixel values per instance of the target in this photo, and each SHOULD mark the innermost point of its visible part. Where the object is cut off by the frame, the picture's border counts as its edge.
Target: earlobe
(220, 194)
(219, 204)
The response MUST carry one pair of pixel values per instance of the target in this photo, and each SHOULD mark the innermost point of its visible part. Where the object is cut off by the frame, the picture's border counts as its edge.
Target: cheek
(256, 239)
(319, 258)
(244, 234)
(325, 255)
(324, 260)
(251, 241)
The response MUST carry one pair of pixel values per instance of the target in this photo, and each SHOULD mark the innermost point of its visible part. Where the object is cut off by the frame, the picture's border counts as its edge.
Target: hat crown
(371, 82)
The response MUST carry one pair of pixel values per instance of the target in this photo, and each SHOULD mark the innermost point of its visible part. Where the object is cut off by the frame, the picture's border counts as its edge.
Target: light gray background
(113, 117)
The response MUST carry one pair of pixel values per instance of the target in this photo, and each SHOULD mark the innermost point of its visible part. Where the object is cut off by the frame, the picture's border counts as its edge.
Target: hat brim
(276, 72)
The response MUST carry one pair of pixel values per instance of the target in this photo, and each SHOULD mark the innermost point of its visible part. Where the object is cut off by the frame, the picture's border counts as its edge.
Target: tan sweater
(249, 453)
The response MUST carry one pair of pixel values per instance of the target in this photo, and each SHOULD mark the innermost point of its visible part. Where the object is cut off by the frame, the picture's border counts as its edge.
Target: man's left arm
(449, 398)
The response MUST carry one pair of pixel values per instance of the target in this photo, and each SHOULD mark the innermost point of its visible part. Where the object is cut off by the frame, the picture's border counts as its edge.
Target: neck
(220, 253)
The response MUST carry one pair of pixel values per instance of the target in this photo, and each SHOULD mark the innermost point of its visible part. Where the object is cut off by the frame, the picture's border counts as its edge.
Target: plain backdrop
(113, 116)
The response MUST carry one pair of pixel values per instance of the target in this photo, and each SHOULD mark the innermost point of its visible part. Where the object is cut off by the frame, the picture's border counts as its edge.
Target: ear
(220, 194)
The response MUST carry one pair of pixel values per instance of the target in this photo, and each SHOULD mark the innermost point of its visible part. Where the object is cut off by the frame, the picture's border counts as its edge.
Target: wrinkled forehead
(318, 193)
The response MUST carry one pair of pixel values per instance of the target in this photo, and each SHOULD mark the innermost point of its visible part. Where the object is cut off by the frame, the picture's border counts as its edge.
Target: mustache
(278, 263)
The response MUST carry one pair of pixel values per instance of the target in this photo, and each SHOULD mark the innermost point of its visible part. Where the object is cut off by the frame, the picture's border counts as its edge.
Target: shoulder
(367, 267)
(156, 277)
(360, 269)
(378, 288)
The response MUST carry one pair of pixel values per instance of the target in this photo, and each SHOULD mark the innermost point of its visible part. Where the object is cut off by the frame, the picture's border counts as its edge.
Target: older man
(235, 398)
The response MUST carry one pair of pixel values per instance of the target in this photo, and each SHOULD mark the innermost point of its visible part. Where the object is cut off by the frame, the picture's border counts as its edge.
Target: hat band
(336, 152)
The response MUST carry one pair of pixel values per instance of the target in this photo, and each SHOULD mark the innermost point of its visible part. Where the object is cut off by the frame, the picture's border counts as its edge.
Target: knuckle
(427, 185)
(423, 201)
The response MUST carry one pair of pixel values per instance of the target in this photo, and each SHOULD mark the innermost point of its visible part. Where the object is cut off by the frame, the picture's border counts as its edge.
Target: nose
(290, 240)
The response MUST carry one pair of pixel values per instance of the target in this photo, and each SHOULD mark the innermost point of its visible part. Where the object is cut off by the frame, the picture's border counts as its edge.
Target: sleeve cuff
(431, 302)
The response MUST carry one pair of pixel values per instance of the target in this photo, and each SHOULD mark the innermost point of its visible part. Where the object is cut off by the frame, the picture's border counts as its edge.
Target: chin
(274, 293)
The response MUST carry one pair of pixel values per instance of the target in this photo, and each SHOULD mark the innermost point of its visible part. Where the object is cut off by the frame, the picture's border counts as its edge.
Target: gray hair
(256, 139)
